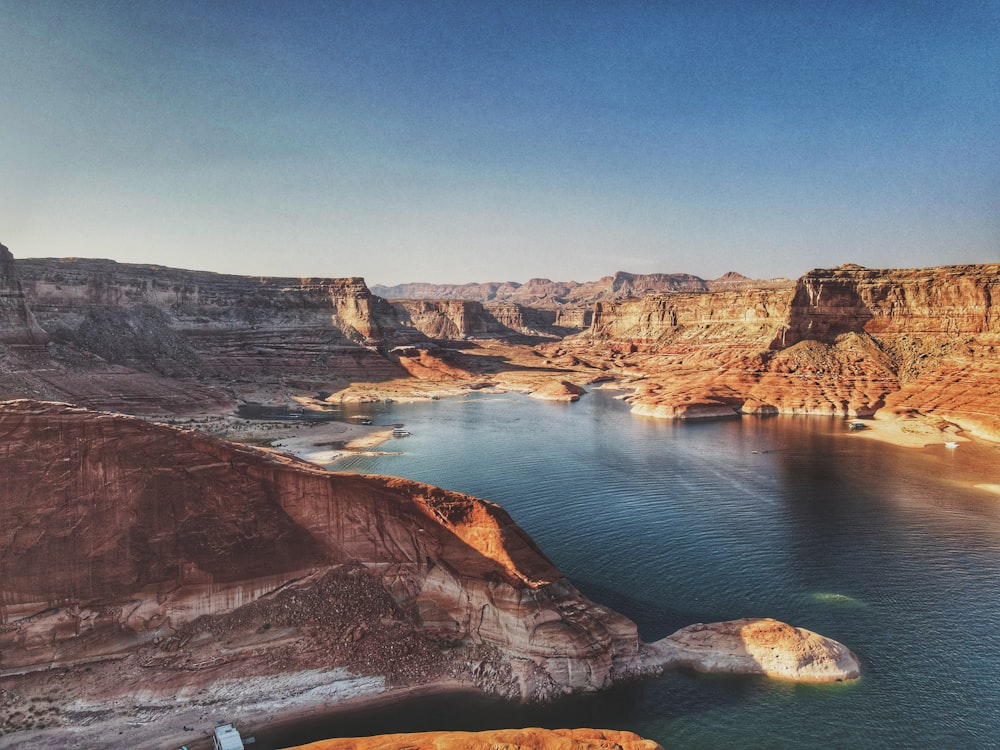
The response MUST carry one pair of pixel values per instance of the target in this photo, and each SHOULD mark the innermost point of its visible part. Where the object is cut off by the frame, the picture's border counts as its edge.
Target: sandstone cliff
(846, 341)
(117, 534)
(171, 317)
(138, 338)
(452, 320)
(17, 325)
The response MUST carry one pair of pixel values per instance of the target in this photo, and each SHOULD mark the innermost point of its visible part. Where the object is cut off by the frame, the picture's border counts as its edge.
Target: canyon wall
(18, 326)
(118, 535)
(845, 341)
(453, 320)
(123, 334)
(190, 322)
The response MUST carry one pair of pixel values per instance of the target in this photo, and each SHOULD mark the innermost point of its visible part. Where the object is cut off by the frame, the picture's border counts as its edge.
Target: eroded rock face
(144, 560)
(761, 646)
(846, 341)
(17, 324)
(115, 533)
(190, 322)
(509, 739)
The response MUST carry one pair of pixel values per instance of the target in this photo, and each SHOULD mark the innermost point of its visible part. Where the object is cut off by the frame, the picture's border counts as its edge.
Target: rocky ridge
(545, 293)
(848, 341)
(18, 326)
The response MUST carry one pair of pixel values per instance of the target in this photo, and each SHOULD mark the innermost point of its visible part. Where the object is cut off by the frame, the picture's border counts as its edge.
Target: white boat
(951, 444)
(400, 432)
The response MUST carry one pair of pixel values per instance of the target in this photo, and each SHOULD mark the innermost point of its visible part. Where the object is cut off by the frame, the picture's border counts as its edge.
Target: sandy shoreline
(260, 707)
(910, 429)
(317, 441)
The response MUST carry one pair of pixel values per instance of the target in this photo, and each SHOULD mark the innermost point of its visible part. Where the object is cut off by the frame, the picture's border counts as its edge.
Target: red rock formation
(846, 341)
(761, 646)
(149, 560)
(508, 739)
(115, 532)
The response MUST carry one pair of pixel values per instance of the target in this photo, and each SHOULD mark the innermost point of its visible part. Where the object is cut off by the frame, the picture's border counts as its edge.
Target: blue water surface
(892, 551)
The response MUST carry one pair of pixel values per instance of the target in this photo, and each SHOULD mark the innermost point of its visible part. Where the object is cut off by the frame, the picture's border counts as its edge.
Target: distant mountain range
(547, 293)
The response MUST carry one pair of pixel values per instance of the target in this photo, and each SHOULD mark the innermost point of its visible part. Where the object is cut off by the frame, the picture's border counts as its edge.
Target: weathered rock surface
(846, 341)
(508, 739)
(545, 293)
(760, 646)
(454, 320)
(17, 325)
(116, 532)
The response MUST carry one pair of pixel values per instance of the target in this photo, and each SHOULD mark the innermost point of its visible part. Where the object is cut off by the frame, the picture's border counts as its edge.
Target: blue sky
(491, 141)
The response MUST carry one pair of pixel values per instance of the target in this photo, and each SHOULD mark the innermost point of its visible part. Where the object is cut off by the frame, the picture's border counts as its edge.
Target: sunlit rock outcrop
(508, 739)
(846, 341)
(760, 646)
(153, 561)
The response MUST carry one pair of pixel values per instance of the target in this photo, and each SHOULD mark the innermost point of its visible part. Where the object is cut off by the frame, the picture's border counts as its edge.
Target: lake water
(888, 550)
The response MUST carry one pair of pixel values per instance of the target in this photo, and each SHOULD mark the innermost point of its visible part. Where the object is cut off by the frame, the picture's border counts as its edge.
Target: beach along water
(892, 551)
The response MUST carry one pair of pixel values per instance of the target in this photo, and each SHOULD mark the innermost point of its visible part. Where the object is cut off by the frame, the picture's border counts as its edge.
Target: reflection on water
(890, 550)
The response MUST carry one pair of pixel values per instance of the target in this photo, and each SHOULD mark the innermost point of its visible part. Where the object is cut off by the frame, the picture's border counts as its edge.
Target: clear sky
(490, 141)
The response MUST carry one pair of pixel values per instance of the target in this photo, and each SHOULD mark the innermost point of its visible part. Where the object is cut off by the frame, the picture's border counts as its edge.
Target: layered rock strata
(846, 341)
(548, 294)
(116, 533)
(18, 326)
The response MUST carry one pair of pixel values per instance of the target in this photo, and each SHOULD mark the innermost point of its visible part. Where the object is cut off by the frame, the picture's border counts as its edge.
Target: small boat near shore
(400, 432)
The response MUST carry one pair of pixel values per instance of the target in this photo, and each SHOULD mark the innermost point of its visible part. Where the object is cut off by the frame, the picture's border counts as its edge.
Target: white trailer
(227, 738)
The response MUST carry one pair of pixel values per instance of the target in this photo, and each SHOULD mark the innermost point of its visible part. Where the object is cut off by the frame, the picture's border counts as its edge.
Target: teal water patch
(889, 550)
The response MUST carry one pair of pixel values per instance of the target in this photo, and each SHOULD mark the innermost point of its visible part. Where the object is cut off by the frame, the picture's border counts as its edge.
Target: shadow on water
(680, 693)
(655, 620)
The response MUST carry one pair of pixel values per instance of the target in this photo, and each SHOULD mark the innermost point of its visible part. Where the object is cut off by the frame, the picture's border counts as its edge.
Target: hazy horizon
(450, 142)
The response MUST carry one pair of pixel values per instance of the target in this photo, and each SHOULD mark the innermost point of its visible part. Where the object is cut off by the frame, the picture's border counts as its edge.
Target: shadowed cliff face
(17, 325)
(116, 534)
(951, 301)
(149, 317)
